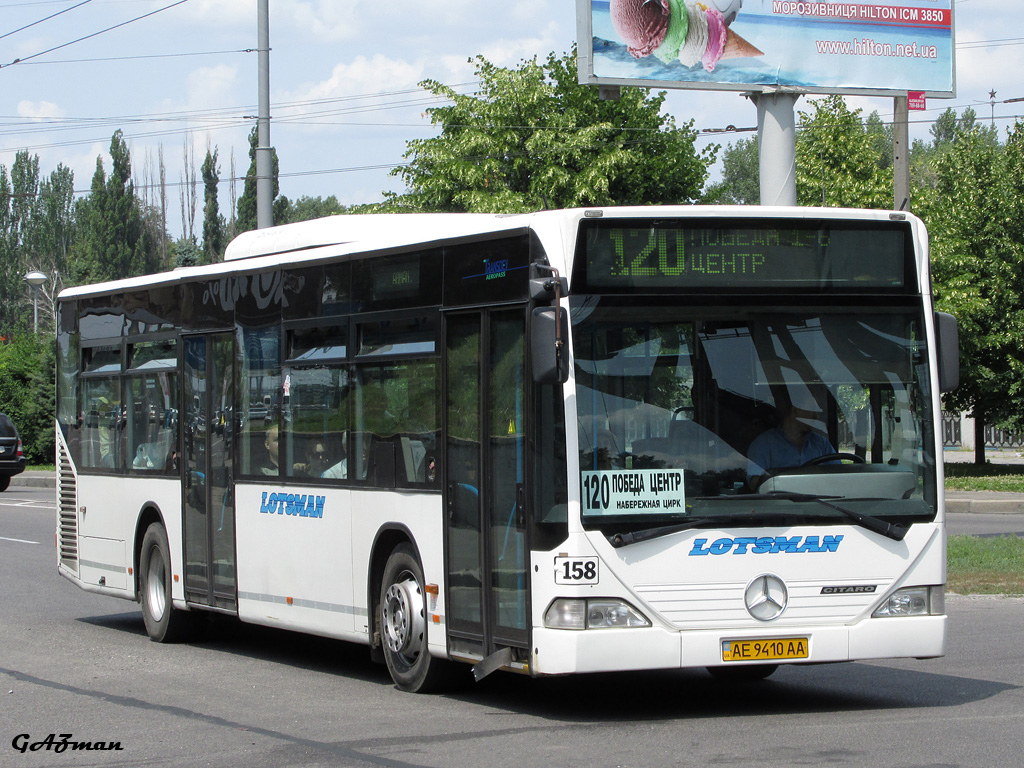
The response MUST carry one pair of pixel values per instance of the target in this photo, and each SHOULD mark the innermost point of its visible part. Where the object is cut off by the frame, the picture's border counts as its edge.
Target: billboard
(847, 47)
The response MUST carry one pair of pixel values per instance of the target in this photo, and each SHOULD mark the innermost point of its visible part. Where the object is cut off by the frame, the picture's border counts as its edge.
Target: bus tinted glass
(747, 255)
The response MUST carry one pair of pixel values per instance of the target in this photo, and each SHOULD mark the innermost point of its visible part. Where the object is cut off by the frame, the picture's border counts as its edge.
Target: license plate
(765, 649)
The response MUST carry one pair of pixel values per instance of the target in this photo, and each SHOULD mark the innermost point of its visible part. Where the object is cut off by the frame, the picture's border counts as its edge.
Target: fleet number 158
(576, 570)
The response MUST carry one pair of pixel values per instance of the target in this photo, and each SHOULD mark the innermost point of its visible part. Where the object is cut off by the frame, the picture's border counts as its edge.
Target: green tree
(246, 219)
(306, 208)
(944, 128)
(838, 163)
(36, 229)
(27, 392)
(57, 222)
(19, 207)
(881, 136)
(741, 176)
(214, 227)
(976, 269)
(114, 242)
(187, 253)
(924, 156)
(533, 138)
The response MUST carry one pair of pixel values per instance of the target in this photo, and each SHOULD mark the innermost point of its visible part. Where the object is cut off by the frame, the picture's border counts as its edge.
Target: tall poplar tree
(246, 219)
(114, 242)
(213, 222)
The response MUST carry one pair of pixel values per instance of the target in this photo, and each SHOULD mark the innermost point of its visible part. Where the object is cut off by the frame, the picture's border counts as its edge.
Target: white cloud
(362, 75)
(325, 21)
(39, 110)
(510, 52)
(319, 20)
(211, 87)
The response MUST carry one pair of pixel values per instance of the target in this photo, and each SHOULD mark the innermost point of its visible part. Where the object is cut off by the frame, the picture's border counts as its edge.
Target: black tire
(5, 481)
(745, 673)
(402, 616)
(164, 624)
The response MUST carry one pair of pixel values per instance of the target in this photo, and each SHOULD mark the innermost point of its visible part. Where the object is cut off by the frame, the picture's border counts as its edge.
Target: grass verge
(1007, 478)
(985, 566)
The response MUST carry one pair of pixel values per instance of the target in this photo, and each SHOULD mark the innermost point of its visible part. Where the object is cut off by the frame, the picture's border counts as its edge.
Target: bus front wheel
(164, 624)
(403, 625)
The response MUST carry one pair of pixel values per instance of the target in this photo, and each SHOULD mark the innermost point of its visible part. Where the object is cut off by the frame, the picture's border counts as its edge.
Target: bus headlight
(594, 613)
(914, 601)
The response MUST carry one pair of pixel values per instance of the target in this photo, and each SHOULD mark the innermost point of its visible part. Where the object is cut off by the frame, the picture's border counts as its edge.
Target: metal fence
(951, 437)
(995, 439)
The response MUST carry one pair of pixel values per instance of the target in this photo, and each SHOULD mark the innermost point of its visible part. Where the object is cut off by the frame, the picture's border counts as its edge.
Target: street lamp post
(35, 279)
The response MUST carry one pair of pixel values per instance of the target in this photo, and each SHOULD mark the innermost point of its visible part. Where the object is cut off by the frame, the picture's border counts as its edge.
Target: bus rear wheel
(403, 625)
(164, 623)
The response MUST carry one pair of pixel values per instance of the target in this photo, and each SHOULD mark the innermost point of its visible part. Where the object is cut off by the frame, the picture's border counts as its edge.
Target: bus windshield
(757, 413)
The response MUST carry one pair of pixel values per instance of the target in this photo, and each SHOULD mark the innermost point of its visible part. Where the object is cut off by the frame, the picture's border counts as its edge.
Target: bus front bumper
(562, 652)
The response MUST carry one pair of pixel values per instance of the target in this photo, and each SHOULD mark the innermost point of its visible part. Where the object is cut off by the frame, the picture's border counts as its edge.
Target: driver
(792, 443)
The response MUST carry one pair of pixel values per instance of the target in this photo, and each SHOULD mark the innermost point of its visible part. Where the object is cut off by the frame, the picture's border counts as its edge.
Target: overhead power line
(40, 21)
(134, 58)
(94, 34)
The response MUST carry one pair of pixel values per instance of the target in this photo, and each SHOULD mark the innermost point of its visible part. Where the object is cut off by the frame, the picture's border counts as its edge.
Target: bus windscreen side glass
(745, 255)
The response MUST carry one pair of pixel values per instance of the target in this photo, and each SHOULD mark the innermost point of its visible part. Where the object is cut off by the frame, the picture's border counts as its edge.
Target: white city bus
(527, 442)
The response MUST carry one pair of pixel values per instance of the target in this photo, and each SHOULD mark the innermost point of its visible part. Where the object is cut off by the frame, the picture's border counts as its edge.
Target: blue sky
(344, 77)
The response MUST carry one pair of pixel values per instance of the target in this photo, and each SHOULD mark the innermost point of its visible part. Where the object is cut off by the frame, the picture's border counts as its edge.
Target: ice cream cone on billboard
(691, 32)
(737, 47)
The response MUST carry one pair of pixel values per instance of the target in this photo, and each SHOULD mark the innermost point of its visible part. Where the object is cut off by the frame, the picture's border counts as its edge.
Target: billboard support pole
(776, 141)
(901, 153)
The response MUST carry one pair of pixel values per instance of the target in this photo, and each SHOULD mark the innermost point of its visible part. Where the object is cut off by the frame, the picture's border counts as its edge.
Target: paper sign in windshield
(631, 491)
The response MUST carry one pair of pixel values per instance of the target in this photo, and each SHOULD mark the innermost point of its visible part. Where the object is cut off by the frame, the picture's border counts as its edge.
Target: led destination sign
(694, 254)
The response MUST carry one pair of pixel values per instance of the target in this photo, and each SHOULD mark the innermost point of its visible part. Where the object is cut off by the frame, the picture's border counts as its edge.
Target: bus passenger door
(208, 465)
(485, 478)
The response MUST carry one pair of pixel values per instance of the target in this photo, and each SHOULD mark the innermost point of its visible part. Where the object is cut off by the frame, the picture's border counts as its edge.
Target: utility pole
(264, 152)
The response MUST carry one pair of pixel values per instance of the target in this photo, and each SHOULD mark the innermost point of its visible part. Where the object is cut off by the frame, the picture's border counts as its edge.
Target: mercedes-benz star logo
(766, 597)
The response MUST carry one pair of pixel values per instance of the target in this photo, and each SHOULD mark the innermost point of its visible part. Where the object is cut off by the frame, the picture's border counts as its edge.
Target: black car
(12, 457)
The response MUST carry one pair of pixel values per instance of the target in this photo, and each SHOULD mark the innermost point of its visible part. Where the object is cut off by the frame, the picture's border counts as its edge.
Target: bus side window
(396, 423)
(102, 422)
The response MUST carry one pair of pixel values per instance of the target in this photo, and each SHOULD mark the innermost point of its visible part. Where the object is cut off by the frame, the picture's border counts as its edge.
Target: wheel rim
(156, 595)
(403, 617)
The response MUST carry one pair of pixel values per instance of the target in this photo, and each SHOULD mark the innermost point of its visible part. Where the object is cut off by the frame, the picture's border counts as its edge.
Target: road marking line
(20, 541)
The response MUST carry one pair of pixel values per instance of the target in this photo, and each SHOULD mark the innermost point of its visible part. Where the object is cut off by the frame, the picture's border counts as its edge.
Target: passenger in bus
(315, 463)
(792, 443)
(337, 471)
(271, 442)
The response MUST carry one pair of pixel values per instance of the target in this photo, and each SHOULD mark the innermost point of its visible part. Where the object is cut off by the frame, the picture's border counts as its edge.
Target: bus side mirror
(548, 353)
(947, 345)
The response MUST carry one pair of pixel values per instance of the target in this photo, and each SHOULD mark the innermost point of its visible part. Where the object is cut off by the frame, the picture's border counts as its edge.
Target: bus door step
(495, 661)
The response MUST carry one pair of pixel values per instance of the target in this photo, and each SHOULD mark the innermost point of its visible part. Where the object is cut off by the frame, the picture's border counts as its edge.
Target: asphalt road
(81, 664)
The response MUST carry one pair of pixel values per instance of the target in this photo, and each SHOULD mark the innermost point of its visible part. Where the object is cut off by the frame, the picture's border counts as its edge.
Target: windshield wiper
(892, 531)
(622, 539)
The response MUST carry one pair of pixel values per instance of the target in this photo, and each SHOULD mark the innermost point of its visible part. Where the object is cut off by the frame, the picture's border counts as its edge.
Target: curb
(985, 504)
(34, 480)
